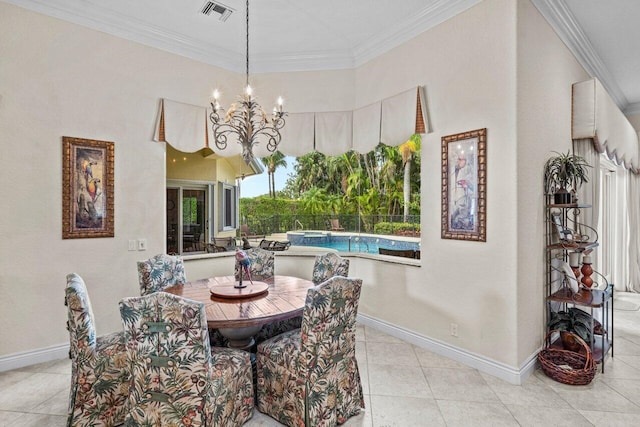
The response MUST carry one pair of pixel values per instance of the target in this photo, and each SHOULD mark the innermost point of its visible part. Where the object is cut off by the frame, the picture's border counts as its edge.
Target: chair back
(262, 263)
(80, 322)
(160, 272)
(335, 224)
(329, 265)
(170, 358)
(329, 325)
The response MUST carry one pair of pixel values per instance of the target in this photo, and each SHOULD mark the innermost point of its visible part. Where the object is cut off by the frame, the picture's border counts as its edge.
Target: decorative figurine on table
(242, 266)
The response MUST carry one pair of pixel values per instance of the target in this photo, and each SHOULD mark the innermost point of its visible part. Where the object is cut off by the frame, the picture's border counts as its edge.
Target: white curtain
(633, 205)
(589, 193)
(334, 132)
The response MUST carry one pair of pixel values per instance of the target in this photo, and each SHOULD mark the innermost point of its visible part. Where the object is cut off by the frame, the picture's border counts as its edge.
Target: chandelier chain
(247, 34)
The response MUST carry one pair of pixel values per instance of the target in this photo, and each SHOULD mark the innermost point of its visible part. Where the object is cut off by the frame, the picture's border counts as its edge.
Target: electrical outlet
(132, 245)
(142, 244)
(453, 328)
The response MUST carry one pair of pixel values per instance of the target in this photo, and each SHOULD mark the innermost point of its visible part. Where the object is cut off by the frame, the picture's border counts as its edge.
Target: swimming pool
(349, 243)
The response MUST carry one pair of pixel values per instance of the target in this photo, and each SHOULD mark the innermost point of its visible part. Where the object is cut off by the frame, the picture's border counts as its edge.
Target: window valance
(184, 126)
(391, 121)
(596, 116)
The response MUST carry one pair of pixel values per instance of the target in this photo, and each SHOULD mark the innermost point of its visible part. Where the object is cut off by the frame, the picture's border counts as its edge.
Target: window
(189, 208)
(228, 207)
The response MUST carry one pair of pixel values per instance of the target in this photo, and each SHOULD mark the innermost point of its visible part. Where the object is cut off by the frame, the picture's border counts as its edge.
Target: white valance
(297, 134)
(391, 121)
(596, 116)
(334, 132)
(366, 127)
(184, 126)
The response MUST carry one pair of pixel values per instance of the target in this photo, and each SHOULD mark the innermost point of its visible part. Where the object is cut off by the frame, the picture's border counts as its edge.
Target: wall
(634, 119)
(63, 79)
(192, 166)
(546, 70)
(58, 78)
(467, 65)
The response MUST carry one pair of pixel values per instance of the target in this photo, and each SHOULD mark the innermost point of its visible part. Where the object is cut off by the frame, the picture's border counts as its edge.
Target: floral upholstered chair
(262, 265)
(328, 265)
(177, 378)
(99, 374)
(160, 272)
(309, 376)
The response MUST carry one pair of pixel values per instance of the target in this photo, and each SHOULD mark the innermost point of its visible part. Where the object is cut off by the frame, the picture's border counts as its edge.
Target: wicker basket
(566, 366)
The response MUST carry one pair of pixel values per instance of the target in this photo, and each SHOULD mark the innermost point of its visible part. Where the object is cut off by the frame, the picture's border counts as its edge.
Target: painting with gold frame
(87, 188)
(464, 182)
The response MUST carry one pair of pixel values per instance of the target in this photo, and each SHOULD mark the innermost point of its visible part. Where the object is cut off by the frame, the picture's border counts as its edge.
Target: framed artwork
(464, 182)
(87, 188)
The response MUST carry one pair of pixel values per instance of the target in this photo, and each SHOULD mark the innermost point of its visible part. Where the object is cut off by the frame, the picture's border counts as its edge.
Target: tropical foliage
(383, 182)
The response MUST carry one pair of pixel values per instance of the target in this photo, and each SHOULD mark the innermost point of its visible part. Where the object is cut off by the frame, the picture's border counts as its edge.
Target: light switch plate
(132, 245)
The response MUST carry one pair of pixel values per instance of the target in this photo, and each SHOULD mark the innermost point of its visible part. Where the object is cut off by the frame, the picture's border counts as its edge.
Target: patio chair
(245, 232)
(329, 265)
(222, 244)
(310, 377)
(405, 253)
(274, 245)
(99, 374)
(335, 225)
(177, 378)
(160, 272)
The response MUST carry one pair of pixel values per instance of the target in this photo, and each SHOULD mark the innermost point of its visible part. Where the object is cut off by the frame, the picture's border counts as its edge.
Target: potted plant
(563, 172)
(575, 321)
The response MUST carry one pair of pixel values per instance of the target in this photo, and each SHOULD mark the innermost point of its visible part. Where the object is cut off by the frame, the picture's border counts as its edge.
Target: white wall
(467, 66)
(634, 119)
(546, 71)
(60, 79)
(63, 79)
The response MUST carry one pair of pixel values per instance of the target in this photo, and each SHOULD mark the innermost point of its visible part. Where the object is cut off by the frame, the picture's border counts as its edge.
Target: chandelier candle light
(246, 121)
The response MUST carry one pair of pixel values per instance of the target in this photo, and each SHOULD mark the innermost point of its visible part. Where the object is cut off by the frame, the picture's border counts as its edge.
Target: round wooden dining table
(240, 317)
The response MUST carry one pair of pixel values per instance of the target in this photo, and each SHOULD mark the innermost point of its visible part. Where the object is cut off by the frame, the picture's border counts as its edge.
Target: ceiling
(296, 35)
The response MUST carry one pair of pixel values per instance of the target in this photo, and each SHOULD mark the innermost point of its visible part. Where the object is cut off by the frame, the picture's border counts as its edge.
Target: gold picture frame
(464, 184)
(87, 188)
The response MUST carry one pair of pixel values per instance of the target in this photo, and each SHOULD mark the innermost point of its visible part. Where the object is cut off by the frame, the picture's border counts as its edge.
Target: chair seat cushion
(283, 349)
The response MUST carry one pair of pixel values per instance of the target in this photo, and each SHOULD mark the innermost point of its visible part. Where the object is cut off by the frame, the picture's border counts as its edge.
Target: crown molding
(430, 16)
(123, 26)
(632, 109)
(558, 15)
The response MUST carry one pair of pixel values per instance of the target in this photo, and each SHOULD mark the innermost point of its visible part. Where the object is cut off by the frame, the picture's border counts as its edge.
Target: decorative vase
(586, 271)
(562, 197)
(570, 342)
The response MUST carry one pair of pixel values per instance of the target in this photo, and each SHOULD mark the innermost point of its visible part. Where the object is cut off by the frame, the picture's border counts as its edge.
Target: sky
(257, 185)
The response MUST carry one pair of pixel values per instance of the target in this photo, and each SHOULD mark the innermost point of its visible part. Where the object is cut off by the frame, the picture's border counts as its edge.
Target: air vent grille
(216, 9)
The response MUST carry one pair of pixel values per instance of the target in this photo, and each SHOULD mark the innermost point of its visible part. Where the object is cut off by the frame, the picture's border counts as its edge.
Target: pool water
(346, 243)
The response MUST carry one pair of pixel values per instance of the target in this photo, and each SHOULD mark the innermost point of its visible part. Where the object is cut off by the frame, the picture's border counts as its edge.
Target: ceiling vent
(216, 9)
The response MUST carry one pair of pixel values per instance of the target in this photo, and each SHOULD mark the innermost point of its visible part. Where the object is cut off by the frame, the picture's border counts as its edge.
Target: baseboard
(483, 364)
(33, 357)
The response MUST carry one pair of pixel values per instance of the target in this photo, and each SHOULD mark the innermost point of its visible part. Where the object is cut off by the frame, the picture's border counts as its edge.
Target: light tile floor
(407, 386)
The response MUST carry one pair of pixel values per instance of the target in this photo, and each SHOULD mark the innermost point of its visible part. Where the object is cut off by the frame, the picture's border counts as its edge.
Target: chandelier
(246, 121)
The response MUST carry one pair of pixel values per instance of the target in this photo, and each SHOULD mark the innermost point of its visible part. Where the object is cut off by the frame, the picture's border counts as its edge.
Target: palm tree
(408, 149)
(273, 162)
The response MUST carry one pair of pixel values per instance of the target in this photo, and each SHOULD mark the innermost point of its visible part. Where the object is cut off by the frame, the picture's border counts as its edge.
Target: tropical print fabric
(310, 377)
(271, 330)
(160, 272)
(329, 265)
(177, 379)
(262, 265)
(99, 374)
